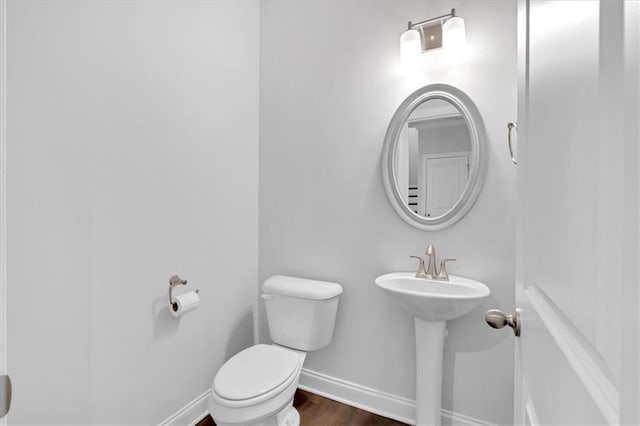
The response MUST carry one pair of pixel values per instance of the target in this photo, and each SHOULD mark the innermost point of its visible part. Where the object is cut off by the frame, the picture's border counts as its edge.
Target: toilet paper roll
(184, 302)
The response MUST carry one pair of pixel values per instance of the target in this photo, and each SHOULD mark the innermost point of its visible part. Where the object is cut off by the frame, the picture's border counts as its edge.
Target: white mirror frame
(478, 155)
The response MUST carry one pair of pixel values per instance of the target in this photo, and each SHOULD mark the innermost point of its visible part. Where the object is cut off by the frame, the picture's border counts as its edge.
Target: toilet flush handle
(266, 296)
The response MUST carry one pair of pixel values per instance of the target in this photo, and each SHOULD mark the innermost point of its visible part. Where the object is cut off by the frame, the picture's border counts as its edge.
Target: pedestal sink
(432, 304)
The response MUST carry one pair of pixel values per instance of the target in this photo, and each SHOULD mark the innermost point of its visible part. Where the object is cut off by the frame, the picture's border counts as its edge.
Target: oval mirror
(434, 157)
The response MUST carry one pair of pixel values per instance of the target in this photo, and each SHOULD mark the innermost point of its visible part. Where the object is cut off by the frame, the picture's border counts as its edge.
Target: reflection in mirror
(433, 158)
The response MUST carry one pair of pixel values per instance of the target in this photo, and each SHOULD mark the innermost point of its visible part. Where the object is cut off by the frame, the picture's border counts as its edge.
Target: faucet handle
(421, 272)
(442, 275)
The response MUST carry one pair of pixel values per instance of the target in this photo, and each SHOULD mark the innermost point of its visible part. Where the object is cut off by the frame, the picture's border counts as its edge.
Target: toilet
(256, 386)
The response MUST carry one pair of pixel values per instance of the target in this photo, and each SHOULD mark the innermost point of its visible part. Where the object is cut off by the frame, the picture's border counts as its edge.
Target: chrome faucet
(431, 270)
(431, 273)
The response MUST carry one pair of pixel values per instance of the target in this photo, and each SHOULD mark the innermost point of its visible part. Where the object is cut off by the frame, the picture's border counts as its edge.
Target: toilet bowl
(256, 386)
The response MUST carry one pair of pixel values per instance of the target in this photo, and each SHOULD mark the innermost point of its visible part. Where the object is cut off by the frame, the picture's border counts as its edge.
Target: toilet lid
(255, 371)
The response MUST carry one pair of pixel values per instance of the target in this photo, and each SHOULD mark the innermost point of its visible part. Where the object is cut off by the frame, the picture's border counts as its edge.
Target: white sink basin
(432, 300)
(432, 304)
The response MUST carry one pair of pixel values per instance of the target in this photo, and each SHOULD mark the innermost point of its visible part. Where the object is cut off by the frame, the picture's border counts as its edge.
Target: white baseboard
(191, 413)
(449, 418)
(368, 399)
(372, 400)
(375, 401)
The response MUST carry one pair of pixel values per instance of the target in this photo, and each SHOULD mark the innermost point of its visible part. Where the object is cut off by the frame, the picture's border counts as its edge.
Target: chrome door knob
(498, 319)
(5, 395)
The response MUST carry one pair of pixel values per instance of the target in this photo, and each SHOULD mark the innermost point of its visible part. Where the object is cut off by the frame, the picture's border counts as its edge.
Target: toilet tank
(301, 313)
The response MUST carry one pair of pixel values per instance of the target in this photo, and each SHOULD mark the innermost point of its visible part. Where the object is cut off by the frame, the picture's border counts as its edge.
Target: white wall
(441, 140)
(132, 155)
(323, 211)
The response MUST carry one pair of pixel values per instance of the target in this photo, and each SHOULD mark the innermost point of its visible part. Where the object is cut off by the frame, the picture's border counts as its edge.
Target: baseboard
(368, 399)
(375, 401)
(449, 418)
(191, 413)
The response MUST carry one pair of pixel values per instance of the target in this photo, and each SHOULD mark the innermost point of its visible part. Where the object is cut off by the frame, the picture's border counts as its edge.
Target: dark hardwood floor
(318, 411)
(207, 421)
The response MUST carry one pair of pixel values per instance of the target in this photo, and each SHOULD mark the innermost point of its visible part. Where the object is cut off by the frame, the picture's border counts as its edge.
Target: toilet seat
(257, 386)
(256, 374)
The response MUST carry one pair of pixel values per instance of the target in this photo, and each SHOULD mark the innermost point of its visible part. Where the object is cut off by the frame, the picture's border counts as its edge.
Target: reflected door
(446, 179)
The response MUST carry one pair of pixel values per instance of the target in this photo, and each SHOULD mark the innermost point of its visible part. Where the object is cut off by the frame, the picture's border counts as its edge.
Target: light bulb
(410, 49)
(454, 38)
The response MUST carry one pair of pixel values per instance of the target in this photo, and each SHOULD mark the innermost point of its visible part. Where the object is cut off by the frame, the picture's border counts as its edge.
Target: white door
(5, 383)
(577, 357)
(446, 179)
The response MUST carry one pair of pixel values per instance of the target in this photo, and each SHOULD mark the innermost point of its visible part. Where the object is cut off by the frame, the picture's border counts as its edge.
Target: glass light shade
(454, 36)
(410, 48)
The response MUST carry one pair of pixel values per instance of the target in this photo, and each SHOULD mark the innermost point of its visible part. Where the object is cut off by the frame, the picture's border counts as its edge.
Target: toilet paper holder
(175, 280)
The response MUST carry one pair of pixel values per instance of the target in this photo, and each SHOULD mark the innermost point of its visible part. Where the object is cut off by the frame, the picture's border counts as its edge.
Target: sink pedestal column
(429, 350)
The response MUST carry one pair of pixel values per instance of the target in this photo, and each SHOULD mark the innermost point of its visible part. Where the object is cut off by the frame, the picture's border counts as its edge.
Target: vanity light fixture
(443, 31)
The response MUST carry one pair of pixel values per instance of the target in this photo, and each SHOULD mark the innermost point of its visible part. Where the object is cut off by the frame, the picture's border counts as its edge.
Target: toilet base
(288, 416)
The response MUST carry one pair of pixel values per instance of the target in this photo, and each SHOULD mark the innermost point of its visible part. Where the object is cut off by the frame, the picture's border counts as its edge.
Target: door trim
(581, 356)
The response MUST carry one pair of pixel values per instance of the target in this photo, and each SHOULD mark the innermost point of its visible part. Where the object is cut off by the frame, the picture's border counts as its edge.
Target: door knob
(497, 319)
(5, 395)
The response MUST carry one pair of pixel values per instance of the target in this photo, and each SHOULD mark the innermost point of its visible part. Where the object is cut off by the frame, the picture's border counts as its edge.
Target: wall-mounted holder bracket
(174, 281)
(431, 30)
